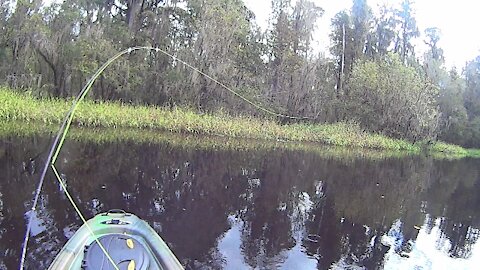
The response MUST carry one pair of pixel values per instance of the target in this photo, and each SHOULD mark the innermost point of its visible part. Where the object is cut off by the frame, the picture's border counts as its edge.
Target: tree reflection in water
(260, 209)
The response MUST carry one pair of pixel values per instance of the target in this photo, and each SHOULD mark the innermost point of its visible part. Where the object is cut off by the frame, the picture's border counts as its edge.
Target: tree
(4, 16)
(408, 31)
(361, 17)
(5, 32)
(472, 79)
(341, 49)
(453, 112)
(53, 49)
(382, 36)
(433, 37)
(349, 39)
(453, 116)
(222, 31)
(18, 42)
(388, 97)
(289, 49)
(304, 18)
(472, 102)
(52, 39)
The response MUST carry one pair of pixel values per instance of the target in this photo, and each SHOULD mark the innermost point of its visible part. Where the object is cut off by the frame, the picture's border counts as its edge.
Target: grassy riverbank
(187, 142)
(23, 107)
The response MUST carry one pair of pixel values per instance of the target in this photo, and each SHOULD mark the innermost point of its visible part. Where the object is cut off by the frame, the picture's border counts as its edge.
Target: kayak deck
(129, 241)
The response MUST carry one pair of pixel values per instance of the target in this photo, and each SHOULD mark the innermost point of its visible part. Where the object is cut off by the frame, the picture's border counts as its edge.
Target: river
(252, 208)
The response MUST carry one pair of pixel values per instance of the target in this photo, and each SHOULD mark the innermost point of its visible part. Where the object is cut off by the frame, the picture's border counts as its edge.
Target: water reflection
(251, 209)
(429, 250)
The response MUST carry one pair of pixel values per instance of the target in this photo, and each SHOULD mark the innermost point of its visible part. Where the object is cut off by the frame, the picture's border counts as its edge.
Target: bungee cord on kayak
(62, 133)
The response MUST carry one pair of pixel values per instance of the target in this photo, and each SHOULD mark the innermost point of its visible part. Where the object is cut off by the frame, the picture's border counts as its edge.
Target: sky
(458, 21)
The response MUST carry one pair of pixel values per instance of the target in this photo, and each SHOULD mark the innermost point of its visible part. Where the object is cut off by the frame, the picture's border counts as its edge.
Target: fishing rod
(55, 150)
(66, 123)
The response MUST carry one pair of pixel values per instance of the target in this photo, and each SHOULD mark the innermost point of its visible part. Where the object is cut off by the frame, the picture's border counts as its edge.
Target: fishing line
(64, 187)
(62, 133)
(54, 150)
(229, 89)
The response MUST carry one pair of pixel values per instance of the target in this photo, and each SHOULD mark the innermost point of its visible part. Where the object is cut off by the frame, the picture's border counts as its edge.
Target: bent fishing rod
(67, 121)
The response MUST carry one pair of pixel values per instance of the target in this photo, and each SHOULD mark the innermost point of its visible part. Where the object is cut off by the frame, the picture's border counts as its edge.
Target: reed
(15, 106)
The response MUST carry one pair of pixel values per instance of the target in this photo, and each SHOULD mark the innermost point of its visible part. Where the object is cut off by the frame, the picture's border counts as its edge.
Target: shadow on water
(249, 208)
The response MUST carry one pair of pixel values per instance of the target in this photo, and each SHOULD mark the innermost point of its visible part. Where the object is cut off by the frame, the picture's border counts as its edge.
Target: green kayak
(129, 241)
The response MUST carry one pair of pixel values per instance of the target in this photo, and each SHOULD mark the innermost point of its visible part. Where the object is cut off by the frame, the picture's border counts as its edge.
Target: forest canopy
(372, 75)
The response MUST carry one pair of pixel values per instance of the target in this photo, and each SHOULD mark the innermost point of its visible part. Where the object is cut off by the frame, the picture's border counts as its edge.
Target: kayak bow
(129, 241)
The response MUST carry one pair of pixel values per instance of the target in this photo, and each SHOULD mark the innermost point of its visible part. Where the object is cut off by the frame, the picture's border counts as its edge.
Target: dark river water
(251, 209)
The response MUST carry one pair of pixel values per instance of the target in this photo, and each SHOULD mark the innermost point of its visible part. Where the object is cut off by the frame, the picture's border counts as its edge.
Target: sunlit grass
(193, 141)
(16, 106)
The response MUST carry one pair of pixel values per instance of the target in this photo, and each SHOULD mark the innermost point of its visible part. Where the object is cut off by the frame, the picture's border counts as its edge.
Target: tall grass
(16, 106)
(193, 141)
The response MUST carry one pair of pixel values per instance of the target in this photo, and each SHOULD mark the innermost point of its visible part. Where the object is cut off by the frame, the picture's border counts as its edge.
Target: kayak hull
(130, 240)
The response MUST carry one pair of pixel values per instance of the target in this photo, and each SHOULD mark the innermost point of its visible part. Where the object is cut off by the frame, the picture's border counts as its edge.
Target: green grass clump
(449, 151)
(448, 148)
(15, 106)
(473, 153)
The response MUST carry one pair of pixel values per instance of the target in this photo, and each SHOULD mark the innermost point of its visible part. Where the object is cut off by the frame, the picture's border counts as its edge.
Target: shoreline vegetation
(47, 114)
(188, 142)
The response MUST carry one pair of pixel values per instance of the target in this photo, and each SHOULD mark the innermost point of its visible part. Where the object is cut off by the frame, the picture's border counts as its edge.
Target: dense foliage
(389, 97)
(372, 77)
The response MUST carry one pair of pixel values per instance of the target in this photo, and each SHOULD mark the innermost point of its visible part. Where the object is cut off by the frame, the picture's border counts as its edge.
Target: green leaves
(389, 97)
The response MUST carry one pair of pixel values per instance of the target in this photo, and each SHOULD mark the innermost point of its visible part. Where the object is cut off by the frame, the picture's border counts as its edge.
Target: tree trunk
(133, 10)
